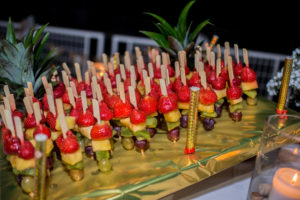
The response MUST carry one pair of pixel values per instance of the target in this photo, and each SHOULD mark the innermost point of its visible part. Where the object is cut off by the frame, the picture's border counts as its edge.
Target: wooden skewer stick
(132, 77)
(236, 52)
(122, 72)
(6, 90)
(37, 112)
(9, 122)
(199, 51)
(212, 59)
(118, 80)
(63, 124)
(110, 69)
(26, 91)
(90, 68)
(177, 69)
(158, 61)
(147, 85)
(67, 69)
(182, 75)
(164, 59)
(122, 92)
(74, 90)
(150, 70)
(96, 110)
(12, 102)
(59, 106)
(27, 104)
(99, 93)
(163, 87)
(225, 57)
(94, 73)
(45, 82)
(19, 130)
(168, 59)
(65, 78)
(230, 69)
(227, 46)
(140, 64)
(87, 78)
(167, 76)
(7, 104)
(30, 88)
(51, 104)
(117, 58)
(132, 96)
(107, 84)
(219, 51)
(203, 78)
(208, 55)
(84, 101)
(104, 60)
(78, 72)
(218, 70)
(3, 115)
(127, 60)
(145, 74)
(163, 71)
(94, 87)
(71, 97)
(197, 60)
(245, 56)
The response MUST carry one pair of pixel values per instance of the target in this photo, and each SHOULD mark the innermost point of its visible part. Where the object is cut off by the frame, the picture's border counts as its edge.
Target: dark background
(271, 27)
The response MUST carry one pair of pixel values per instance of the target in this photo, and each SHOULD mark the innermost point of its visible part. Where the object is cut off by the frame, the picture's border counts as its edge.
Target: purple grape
(184, 121)
(118, 131)
(236, 116)
(160, 120)
(19, 179)
(218, 110)
(89, 151)
(142, 144)
(174, 134)
(49, 162)
(208, 124)
(152, 131)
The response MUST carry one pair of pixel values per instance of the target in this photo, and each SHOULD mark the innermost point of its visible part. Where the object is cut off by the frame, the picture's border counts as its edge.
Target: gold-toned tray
(164, 169)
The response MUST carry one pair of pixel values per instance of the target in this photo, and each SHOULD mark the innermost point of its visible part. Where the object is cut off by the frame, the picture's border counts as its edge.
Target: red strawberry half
(111, 100)
(75, 112)
(69, 144)
(184, 94)
(234, 92)
(122, 110)
(42, 129)
(166, 104)
(219, 83)
(248, 74)
(59, 90)
(12, 145)
(177, 84)
(86, 119)
(148, 104)
(137, 116)
(17, 113)
(51, 120)
(26, 150)
(207, 96)
(101, 132)
(29, 122)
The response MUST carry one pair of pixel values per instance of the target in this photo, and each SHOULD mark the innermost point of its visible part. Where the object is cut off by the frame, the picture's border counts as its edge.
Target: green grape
(27, 184)
(128, 143)
(104, 165)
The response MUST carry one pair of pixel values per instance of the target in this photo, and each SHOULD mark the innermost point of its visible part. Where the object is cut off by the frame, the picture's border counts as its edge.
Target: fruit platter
(122, 134)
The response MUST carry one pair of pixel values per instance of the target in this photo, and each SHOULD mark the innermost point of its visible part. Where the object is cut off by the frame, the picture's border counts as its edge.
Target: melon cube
(86, 131)
(172, 116)
(249, 85)
(72, 158)
(206, 108)
(183, 105)
(101, 145)
(70, 123)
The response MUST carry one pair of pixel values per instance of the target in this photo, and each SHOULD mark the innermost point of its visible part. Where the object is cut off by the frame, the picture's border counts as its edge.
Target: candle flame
(294, 179)
(295, 152)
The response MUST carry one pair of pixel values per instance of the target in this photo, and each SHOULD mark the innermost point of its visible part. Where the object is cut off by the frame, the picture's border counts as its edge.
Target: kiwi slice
(25, 172)
(125, 132)
(172, 125)
(151, 122)
(102, 154)
(184, 112)
(142, 135)
(209, 115)
(78, 165)
(251, 93)
(220, 101)
(235, 107)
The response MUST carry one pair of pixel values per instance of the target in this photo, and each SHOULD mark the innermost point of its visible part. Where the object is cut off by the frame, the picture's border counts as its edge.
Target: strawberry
(184, 94)
(211, 77)
(207, 96)
(12, 145)
(105, 113)
(101, 132)
(75, 81)
(80, 87)
(122, 110)
(219, 83)
(78, 103)
(75, 112)
(234, 92)
(172, 94)
(113, 81)
(42, 129)
(137, 116)
(45, 102)
(137, 96)
(6, 134)
(29, 121)
(166, 104)
(171, 70)
(224, 74)
(88, 91)
(177, 84)
(127, 83)
(194, 80)
(86, 119)
(69, 144)
(236, 81)
(157, 73)
(65, 98)
(26, 150)
(51, 120)
(59, 90)
(148, 104)
(154, 94)
(187, 70)
(17, 113)
(238, 69)
(248, 74)
(111, 100)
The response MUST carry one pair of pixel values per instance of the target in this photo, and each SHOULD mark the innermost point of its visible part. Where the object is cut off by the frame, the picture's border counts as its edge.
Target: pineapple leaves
(174, 44)
(164, 24)
(200, 26)
(181, 24)
(158, 38)
(28, 39)
(38, 34)
(40, 48)
(10, 33)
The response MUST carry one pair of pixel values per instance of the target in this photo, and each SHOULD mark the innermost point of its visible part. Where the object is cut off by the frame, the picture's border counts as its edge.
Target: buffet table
(164, 169)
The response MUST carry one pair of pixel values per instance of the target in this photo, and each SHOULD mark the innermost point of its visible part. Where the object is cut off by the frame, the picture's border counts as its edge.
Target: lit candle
(286, 185)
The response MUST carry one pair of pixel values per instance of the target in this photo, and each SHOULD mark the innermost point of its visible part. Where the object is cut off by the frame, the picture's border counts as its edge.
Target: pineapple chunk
(172, 116)
(29, 133)
(101, 145)
(249, 85)
(183, 105)
(133, 127)
(189, 76)
(70, 123)
(125, 122)
(206, 108)
(172, 79)
(21, 164)
(67, 106)
(49, 146)
(89, 102)
(12, 160)
(55, 134)
(235, 101)
(153, 114)
(86, 131)
(72, 158)
(76, 128)
(221, 93)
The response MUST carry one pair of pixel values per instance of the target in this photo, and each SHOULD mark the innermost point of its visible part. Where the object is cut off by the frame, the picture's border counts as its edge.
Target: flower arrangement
(273, 85)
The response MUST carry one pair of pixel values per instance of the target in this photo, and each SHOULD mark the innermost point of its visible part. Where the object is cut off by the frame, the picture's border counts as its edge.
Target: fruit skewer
(11, 99)
(101, 134)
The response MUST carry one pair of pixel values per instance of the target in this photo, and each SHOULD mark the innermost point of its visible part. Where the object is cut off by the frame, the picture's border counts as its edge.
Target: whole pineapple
(21, 61)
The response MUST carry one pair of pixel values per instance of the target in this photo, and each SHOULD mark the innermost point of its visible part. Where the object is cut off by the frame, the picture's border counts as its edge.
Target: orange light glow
(295, 152)
(100, 69)
(294, 179)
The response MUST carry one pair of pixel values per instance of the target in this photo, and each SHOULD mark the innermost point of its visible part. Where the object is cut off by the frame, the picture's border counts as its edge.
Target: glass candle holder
(277, 168)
